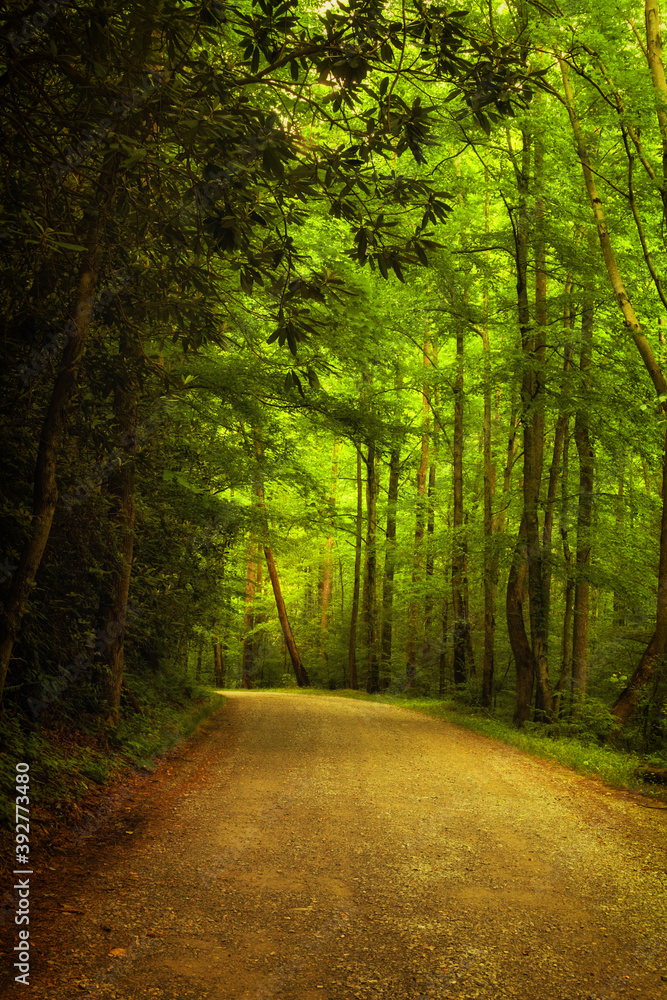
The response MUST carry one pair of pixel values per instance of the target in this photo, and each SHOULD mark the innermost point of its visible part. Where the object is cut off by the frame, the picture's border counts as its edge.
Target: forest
(333, 355)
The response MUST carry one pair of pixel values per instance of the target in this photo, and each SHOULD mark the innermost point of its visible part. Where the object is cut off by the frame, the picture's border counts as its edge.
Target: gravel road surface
(317, 848)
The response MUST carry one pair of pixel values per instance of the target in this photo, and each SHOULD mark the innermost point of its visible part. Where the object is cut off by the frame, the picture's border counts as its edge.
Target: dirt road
(318, 848)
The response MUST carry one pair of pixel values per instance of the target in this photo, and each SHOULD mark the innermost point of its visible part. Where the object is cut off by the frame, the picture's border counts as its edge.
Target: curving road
(318, 848)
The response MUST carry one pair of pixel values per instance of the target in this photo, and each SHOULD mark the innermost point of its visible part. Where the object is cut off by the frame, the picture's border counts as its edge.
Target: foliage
(308, 227)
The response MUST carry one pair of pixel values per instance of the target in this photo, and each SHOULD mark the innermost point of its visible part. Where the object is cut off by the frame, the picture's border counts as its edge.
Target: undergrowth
(69, 751)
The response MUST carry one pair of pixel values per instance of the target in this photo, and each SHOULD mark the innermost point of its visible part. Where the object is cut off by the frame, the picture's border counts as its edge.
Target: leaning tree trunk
(300, 672)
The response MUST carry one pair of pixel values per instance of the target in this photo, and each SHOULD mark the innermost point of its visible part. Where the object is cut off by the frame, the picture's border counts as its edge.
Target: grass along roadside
(612, 766)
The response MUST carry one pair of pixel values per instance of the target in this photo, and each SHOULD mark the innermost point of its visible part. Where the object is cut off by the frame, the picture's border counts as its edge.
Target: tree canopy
(334, 353)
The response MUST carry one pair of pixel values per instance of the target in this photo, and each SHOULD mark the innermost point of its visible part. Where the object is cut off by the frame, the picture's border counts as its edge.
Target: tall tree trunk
(354, 614)
(532, 398)
(490, 584)
(619, 611)
(373, 665)
(583, 557)
(559, 443)
(566, 645)
(45, 495)
(328, 551)
(538, 557)
(460, 624)
(414, 611)
(217, 664)
(200, 650)
(656, 66)
(442, 664)
(389, 568)
(120, 491)
(259, 617)
(429, 652)
(521, 648)
(247, 664)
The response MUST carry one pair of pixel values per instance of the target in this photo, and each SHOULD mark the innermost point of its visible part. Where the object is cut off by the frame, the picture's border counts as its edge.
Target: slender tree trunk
(566, 645)
(521, 647)
(259, 617)
(619, 616)
(442, 664)
(583, 557)
(247, 664)
(656, 66)
(535, 352)
(414, 644)
(557, 463)
(429, 651)
(460, 623)
(352, 650)
(120, 491)
(200, 650)
(490, 583)
(373, 667)
(389, 568)
(308, 602)
(325, 595)
(328, 551)
(532, 397)
(217, 664)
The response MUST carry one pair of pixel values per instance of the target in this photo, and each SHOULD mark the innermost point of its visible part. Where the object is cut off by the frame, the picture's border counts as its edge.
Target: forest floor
(322, 848)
